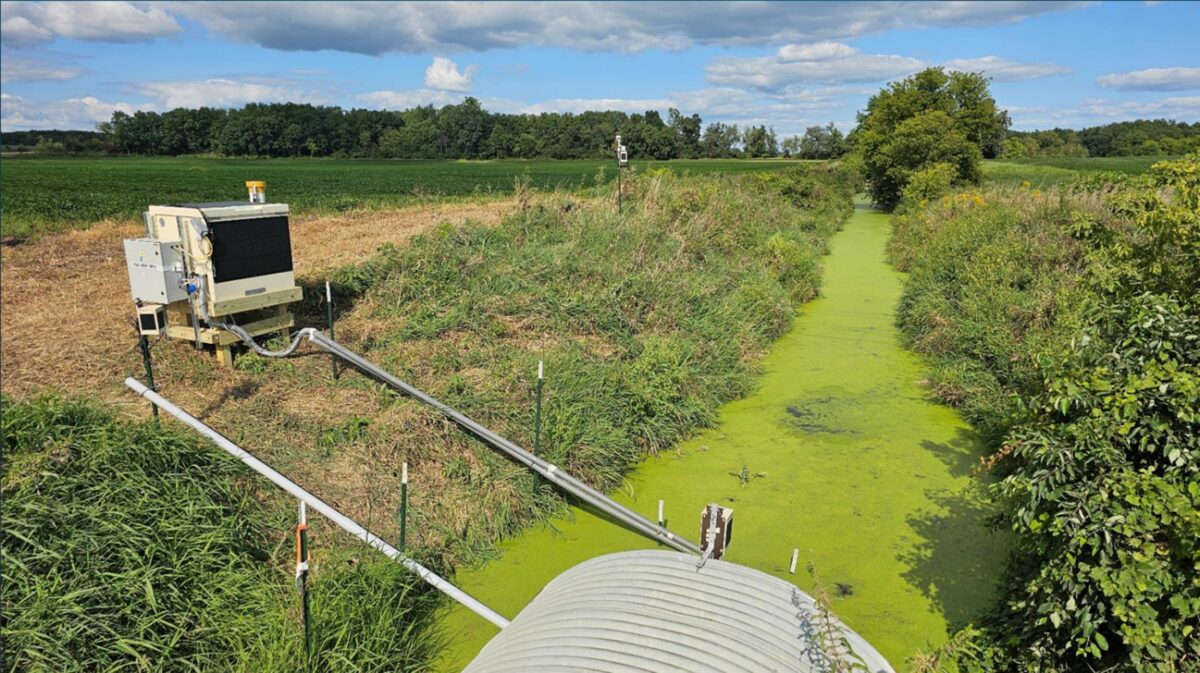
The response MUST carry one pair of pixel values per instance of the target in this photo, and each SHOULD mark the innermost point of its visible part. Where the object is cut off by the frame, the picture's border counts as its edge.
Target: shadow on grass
(959, 557)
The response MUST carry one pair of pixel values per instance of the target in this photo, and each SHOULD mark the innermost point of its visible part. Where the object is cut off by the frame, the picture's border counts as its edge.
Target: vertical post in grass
(329, 313)
(403, 504)
(537, 415)
(618, 187)
(302, 581)
(618, 176)
(144, 345)
(661, 521)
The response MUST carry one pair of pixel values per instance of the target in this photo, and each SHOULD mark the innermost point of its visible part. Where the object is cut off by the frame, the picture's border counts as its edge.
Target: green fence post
(329, 312)
(144, 345)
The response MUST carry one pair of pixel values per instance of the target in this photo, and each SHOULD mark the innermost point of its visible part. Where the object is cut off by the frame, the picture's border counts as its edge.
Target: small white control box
(155, 271)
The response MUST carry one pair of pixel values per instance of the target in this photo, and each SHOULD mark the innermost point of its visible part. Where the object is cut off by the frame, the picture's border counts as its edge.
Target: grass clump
(130, 547)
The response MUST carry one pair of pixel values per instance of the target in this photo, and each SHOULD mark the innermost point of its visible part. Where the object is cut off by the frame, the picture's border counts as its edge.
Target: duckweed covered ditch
(837, 453)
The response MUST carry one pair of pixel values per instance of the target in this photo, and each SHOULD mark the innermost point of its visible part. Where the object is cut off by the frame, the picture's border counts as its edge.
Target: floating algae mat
(837, 454)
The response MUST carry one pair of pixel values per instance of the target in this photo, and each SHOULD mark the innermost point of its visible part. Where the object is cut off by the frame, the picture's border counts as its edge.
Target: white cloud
(30, 70)
(378, 28)
(823, 63)
(819, 51)
(222, 92)
(1004, 70)
(1096, 111)
(1153, 79)
(1176, 107)
(577, 105)
(443, 75)
(17, 113)
(24, 24)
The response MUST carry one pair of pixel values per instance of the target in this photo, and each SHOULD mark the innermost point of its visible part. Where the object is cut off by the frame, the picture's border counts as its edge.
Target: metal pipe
(344, 522)
(551, 472)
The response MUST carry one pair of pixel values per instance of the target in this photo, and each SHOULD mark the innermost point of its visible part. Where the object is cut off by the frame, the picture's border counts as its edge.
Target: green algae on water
(838, 454)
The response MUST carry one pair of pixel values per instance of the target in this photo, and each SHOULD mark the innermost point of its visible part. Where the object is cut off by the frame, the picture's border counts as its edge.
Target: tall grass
(993, 282)
(127, 547)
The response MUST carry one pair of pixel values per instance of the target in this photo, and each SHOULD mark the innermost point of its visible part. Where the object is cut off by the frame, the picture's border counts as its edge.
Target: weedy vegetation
(1065, 323)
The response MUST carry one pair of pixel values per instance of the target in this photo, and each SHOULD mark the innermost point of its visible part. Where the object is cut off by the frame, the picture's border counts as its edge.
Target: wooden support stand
(257, 322)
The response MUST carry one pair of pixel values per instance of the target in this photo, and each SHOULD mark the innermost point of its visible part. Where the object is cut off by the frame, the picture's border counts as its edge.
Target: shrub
(929, 184)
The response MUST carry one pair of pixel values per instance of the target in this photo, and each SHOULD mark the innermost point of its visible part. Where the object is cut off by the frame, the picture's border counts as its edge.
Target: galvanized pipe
(551, 472)
(344, 522)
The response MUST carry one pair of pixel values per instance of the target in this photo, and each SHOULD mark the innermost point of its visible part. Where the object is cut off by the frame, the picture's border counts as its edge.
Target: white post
(660, 512)
(795, 555)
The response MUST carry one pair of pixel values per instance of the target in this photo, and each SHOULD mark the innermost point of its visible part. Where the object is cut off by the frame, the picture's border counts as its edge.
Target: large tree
(942, 117)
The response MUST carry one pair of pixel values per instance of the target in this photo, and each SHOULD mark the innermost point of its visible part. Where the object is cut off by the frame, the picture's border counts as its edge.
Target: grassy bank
(1064, 322)
(647, 320)
(54, 194)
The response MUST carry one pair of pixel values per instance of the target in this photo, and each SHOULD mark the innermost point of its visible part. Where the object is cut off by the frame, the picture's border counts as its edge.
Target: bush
(929, 184)
(929, 118)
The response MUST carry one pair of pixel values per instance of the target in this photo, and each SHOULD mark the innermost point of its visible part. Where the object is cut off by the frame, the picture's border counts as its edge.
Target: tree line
(1143, 137)
(462, 131)
(468, 131)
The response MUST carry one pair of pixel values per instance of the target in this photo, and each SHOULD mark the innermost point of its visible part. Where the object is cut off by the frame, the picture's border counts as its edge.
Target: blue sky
(787, 65)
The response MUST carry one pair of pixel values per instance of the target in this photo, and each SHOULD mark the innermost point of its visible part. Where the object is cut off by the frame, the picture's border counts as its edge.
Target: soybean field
(43, 195)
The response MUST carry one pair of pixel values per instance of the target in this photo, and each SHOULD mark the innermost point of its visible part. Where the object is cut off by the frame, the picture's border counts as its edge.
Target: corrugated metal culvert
(654, 611)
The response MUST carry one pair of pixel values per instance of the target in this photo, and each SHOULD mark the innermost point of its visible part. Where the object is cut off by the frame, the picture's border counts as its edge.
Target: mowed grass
(1047, 172)
(45, 195)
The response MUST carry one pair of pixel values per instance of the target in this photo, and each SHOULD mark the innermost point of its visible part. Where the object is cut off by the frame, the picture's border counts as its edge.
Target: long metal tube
(343, 521)
(551, 472)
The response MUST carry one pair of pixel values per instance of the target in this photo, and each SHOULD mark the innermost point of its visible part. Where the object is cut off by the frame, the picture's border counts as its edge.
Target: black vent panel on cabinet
(251, 247)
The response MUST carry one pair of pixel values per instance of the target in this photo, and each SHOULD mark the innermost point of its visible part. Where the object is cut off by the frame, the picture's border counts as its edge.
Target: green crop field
(1046, 172)
(52, 194)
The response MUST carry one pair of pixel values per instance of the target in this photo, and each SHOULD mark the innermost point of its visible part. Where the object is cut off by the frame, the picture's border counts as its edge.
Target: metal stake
(403, 504)
(618, 182)
(302, 581)
(329, 312)
(537, 418)
(144, 345)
